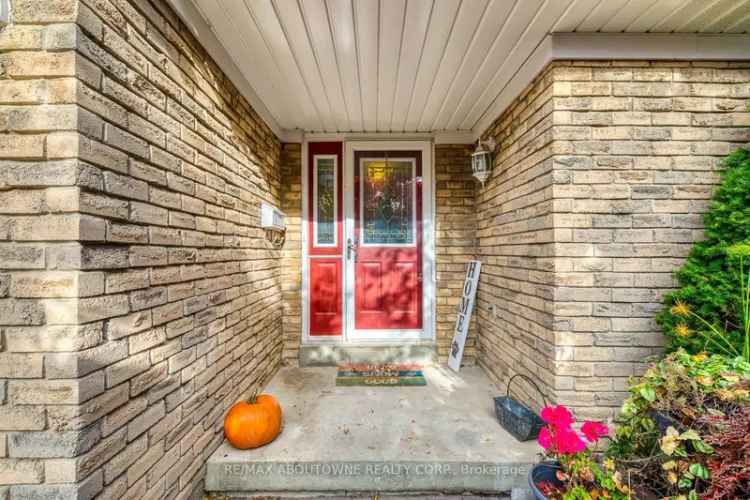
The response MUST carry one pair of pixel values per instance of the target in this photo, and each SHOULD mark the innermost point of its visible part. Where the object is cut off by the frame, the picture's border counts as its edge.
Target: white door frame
(349, 336)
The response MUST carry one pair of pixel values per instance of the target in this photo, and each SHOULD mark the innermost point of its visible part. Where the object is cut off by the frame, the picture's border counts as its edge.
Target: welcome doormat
(384, 375)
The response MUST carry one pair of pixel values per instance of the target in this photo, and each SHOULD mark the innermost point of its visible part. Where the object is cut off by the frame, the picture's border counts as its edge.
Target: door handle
(351, 249)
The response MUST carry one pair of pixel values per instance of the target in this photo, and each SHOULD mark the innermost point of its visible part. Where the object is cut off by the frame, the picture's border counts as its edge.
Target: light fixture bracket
(489, 143)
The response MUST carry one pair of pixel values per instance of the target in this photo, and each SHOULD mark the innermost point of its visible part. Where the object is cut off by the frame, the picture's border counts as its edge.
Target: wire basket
(517, 418)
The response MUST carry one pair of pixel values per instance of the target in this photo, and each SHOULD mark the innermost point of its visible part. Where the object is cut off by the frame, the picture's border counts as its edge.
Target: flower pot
(664, 421)
(543, 472)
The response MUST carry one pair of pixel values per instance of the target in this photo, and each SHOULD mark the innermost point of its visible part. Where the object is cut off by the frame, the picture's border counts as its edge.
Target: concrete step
(332, 355)
(440, 439)
(238, 477)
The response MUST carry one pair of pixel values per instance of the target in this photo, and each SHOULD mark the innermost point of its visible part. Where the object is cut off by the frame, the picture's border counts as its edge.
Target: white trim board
(651, 46)
(439, 137)
(614, 46)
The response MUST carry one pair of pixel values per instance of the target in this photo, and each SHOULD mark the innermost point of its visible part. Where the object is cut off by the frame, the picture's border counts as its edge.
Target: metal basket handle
(531, 381)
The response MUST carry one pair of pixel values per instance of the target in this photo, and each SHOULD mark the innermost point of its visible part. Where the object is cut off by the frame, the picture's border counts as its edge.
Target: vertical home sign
(464, 314)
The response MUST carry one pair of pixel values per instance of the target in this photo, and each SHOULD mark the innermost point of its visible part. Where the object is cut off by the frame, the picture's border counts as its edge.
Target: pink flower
(594, 430)
(559, 435)
(557, 416)
(568, 441)
(545, 438)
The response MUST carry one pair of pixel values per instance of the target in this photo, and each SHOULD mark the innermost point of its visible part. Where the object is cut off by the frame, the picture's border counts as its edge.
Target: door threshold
(333, 355)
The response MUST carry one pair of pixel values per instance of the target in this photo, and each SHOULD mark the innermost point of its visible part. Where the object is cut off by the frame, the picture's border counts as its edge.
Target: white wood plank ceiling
(418, 65)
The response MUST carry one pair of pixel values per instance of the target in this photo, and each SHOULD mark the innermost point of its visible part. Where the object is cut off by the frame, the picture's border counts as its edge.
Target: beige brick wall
(515, 239)
(138, 295)
(622, 157)
(291, 268)
(455, 241)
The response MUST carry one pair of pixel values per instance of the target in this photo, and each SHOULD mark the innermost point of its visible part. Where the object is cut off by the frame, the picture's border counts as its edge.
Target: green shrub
(710, 281)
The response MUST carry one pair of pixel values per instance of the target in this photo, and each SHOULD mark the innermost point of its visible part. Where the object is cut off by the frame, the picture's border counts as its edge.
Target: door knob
(351, 249)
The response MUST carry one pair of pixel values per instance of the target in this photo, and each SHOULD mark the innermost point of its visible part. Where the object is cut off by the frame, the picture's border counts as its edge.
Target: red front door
(388, 233)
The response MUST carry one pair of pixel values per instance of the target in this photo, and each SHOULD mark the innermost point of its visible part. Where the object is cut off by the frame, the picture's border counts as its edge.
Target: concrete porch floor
(442, 438)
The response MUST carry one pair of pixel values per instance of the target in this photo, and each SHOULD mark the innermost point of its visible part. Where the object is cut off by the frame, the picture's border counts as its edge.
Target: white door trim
(427, 333)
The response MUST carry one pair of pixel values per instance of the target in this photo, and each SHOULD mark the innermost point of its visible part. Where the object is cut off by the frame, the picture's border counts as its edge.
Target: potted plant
(570, 470)
(704, 395)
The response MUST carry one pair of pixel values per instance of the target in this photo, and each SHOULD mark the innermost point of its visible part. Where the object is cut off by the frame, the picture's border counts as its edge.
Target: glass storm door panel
(388, 240)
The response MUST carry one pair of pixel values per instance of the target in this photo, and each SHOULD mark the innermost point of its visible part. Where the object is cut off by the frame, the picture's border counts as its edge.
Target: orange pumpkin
(253, 423)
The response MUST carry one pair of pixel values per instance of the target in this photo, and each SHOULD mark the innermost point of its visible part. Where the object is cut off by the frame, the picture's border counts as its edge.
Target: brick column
(139, 297)
(291, 273)
(638, 147)
(455, 241)
(44, 291)
(603, 172)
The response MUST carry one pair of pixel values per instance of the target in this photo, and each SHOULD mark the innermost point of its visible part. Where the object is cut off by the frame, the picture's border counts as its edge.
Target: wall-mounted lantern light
(481, 160)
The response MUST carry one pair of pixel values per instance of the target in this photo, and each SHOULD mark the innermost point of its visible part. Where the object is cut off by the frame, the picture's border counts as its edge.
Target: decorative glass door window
(388, 201)
(324, 234)
(325, 200)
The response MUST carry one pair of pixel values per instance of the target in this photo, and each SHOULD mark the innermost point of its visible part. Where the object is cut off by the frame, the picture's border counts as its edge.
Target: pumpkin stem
(253, 396)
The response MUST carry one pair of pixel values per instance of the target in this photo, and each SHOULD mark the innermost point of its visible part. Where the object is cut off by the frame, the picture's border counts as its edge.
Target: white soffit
(425, 66)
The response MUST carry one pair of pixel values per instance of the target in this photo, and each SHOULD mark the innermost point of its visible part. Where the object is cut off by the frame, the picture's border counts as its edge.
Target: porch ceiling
(416, 65)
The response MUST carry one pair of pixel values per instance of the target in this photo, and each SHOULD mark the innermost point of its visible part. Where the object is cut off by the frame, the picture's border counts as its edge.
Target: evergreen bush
(710, 280)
